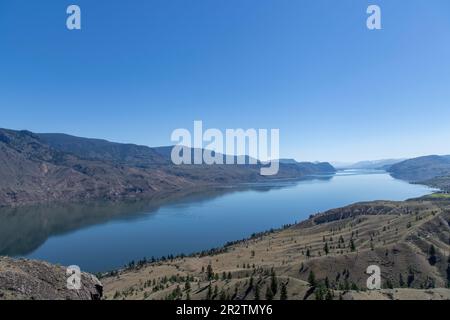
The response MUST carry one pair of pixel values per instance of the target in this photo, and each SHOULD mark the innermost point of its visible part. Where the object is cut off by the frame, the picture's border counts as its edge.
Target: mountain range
(433, 170)
(37, 168)
(367, 164)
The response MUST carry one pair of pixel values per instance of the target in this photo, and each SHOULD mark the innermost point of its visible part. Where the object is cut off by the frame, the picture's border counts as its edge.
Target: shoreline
(198, 192)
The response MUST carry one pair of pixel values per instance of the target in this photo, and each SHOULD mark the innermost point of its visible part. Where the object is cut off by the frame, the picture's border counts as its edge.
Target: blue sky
(140, 69)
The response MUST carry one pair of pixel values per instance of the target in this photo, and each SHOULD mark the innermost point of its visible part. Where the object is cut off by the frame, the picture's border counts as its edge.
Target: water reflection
(24, 229)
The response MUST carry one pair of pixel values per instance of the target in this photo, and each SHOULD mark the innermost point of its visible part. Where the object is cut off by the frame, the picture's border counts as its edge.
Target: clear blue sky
(139, 69)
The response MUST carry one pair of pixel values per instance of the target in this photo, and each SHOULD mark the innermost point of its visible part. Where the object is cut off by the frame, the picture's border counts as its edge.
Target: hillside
(38, 168)
(34, 280)
(422, 168)
(408, 240)
(324, 257)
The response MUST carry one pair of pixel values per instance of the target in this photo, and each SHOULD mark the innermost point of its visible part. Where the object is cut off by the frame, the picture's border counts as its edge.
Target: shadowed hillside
(422, 168)
(37, 168)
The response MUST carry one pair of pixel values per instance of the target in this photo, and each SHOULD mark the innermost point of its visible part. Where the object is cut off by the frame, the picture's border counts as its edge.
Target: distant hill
(370, 164)
(422, 168)
(37, 168)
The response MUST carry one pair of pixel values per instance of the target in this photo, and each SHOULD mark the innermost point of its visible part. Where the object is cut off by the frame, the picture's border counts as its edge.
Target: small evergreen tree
(257, 294)
(283, 292)
(273, 283)
(209, 293)
(325, 248)
(269, 293)
(312, 279)
(401, 282)
(352, 245)
(327, 282)
(210, 272)
(410, 278)
(432, 259)
(448, 272)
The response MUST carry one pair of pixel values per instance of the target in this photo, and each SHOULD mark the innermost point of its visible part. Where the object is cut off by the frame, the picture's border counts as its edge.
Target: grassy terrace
(440, 195)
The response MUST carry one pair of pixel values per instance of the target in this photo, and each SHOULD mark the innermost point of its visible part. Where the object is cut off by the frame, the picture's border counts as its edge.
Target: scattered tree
(432, 259)
(312, 279)
(283, 292)
(209, 272)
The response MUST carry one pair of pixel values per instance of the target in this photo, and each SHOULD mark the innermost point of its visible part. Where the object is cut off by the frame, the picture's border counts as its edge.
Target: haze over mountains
(368, 164)
(422, 168)
(433, 170)
(39, 168)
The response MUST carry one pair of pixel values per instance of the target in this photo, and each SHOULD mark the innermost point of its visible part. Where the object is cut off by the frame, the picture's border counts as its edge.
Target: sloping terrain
(37, 168)
(422, 168)
(34, 280)
(325, 257)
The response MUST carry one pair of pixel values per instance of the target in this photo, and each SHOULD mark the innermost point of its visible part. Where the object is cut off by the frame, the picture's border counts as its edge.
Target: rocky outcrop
(22, 279)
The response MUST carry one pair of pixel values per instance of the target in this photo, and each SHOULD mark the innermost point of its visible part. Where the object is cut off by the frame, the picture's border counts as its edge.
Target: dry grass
(394, 235)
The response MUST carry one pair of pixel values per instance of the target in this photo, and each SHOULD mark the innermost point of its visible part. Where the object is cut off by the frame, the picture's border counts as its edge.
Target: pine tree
(257, 294)
(283, 293)
(410, 278)
(432, 259)
(327, 282)
(269, 293)
(209, 293)
(222, 295)
(312, 279)
(401, 282)
(352, 245)
(325, 248)
(210, 272)
(329, 295)
(448, 272)
(273, 283)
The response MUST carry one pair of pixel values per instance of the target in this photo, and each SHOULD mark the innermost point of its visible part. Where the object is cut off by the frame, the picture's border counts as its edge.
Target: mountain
(408, 240)
(422, 168)
(96, 149)
(37, 168)
(370, 164)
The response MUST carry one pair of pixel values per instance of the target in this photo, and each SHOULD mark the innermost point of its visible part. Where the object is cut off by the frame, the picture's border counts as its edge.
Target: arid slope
(409, 241)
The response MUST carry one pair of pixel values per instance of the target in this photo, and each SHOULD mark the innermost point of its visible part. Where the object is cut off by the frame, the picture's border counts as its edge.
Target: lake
(103, 236)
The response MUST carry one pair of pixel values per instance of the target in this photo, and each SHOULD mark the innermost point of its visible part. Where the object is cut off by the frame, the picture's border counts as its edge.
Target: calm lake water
(104, 236)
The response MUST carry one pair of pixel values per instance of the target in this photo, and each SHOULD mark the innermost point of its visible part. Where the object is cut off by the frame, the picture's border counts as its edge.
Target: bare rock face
(36, 280)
